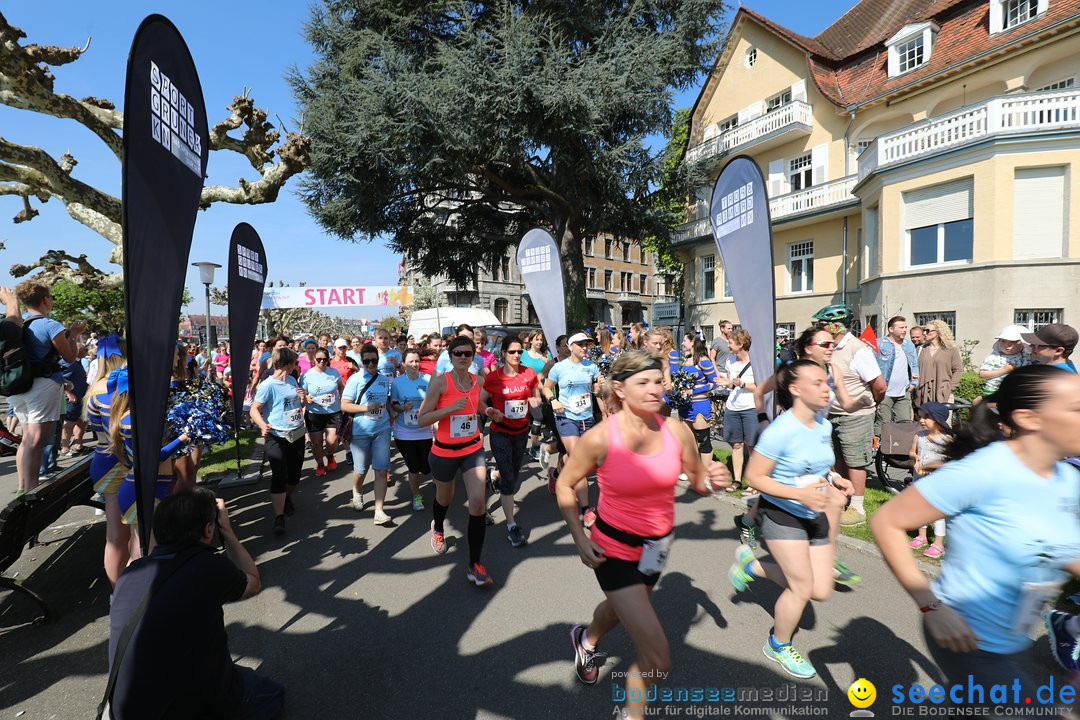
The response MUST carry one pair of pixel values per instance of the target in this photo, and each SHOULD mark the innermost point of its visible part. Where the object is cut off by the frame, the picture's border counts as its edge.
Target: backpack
(17, 370)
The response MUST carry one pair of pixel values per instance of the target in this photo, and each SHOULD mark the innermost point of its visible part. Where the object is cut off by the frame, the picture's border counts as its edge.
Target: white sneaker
(357, 503)
(381, 518)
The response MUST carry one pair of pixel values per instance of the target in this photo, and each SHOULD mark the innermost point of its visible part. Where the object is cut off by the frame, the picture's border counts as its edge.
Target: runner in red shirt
(509, 393)
(340, 361)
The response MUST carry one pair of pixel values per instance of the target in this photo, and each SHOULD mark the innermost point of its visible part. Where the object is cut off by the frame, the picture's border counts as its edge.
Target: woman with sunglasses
(323, 414)
(367, 395)
(407, 392)
(452, 405)
(510, 391)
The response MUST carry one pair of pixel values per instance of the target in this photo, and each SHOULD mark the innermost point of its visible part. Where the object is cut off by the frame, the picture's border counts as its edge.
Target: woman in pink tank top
(637, 455)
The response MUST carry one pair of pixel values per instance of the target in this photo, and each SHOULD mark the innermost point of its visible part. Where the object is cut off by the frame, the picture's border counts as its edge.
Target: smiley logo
(862, 693)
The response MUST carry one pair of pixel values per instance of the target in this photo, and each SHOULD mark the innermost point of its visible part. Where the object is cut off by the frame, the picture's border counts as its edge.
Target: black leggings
(285, 458)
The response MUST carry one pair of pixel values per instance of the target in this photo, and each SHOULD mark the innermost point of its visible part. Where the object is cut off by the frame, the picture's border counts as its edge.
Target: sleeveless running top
(637, 492)
(458, 435)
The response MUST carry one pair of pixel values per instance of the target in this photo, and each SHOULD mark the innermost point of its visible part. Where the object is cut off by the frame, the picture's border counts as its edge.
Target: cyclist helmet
(838, 313)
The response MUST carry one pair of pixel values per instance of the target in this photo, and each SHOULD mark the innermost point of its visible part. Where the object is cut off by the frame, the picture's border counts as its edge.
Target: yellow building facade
(918, 160)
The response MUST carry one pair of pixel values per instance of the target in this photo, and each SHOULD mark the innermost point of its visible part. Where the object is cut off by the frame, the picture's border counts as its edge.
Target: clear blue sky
(236, 45)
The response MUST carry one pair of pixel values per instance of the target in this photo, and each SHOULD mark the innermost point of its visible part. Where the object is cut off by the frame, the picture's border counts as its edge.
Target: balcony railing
(834, 193)
(629, 296)
(794, 115)
(1001, 116)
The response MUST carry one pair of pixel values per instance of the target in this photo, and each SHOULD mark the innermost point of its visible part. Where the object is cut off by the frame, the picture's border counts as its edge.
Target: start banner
(313, 297)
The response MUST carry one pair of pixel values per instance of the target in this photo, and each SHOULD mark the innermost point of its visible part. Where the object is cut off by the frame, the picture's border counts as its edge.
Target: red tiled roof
(848, 60)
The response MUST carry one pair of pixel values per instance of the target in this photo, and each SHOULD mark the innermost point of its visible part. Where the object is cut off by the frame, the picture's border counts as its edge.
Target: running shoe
(477, 574)
(489, 519)
(553, 475)
(534, 452)
(737, 574)
(516, 536)
(1063, 646)
(418, 503)
(438, 540)
(279, 525)
(290, 509)
(588, 518)
(587, 663)
(320, 471)
(790, 660)
(843, 575)
(331, 464)
(747, 532)
(381, 518)
(357, 503)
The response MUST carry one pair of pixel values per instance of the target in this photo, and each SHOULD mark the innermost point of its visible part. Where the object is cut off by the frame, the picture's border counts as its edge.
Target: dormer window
(911, 47)
(1007, 14)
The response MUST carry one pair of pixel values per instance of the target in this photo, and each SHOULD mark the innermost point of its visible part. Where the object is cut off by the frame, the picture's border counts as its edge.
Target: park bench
(29, 514)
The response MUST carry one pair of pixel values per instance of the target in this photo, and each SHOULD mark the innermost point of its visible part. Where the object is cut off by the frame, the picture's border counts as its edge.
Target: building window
(607, 279)
(1059, 85)
(504, 267)
(643, 260)
(708, 277)
(800, 266)
(727, 288)
(751, 57)
(533, 319)
(589, 246)
(800, 172)
(862, 145)
(778, 101)
(730, 124)
(502, 307)
(942, 243)
(591, 278)
(643, 284)
(607, 248)
(1035, 319)
(1020, 11)
(626, 281)
(626, 252)
(909, 55)
(949, 318)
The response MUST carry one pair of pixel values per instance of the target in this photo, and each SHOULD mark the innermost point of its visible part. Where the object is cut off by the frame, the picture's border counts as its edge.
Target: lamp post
(206, 275)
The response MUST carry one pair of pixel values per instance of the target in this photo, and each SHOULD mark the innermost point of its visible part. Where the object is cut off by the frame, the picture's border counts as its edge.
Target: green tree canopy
(453, 127)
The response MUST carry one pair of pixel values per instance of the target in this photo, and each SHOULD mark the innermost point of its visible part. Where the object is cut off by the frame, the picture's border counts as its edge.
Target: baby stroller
(895, 469)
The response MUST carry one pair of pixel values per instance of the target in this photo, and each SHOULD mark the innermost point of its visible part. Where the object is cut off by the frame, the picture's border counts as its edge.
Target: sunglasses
(370, 361)
(514, 352)
(321, 360)
(463, 353)
(827, 344)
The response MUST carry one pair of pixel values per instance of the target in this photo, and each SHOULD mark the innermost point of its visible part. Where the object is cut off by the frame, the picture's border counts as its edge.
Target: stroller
(895, 469)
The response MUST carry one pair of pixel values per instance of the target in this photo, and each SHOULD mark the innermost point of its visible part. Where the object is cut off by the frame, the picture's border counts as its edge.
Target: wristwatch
(931, 606)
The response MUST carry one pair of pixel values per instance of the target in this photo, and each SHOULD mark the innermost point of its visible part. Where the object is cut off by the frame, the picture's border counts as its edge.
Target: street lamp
(206, 275)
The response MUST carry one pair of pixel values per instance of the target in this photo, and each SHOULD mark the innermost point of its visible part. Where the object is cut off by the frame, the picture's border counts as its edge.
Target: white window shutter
(709, 133)
(750, 112)
(1042, 6)
(776, 177)
(894, 58)
(997, 17)
(1039, 213)
(798, 91)
(819, 160)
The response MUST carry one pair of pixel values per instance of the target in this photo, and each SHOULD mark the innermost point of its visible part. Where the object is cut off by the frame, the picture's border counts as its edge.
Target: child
(928, 453)
(1008, 355)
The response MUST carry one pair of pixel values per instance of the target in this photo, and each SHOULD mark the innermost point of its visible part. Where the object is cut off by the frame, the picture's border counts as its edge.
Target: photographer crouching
(168, 650)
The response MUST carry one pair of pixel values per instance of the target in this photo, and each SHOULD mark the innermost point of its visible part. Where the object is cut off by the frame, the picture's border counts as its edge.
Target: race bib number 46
(462, 426)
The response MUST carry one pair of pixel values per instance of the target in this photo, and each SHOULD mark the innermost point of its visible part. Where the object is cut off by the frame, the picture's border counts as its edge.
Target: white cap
(781, 332)
(579, 338)
(341, 342)
(1012, 333)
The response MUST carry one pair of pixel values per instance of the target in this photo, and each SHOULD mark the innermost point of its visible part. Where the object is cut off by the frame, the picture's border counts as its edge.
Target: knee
(823, 588)
(476, 506)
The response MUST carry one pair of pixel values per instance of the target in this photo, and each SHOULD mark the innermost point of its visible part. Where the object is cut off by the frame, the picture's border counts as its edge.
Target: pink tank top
(637, 492)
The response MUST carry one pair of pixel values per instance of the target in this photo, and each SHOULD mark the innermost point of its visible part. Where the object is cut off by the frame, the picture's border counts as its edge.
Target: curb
(927, 569)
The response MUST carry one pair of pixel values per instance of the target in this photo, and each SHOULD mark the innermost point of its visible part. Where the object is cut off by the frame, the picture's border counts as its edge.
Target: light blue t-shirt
(369, 423)
(797, 451)
(323, 388)
(387, 360)
(39, 341)
(402, 391)
(575, 381)
(445, 365)
(281, 407)
(1007, 527)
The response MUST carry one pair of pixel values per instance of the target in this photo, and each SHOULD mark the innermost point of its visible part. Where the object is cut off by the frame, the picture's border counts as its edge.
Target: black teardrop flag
(247, 276)
(165, 152)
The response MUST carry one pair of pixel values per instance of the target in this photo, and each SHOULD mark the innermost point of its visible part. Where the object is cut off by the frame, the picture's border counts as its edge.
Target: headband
(118, 381)
(654, 364)
(109, 346)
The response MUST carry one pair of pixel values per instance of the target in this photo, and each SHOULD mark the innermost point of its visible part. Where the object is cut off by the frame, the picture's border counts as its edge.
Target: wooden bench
(31, 513)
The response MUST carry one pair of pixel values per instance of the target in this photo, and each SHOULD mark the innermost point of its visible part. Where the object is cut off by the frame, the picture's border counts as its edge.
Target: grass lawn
(222, 458)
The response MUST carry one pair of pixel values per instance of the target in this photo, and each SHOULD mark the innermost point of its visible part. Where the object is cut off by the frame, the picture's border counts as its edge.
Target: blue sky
(236, 45)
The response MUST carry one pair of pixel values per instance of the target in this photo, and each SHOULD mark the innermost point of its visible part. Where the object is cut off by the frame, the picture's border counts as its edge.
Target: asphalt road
(360, 621)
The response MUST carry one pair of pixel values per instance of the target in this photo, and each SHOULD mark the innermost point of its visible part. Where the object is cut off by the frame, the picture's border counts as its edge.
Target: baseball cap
(1012, 333)
(311, 341)
(1053, 335)
(579, 338)
(341, 342)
